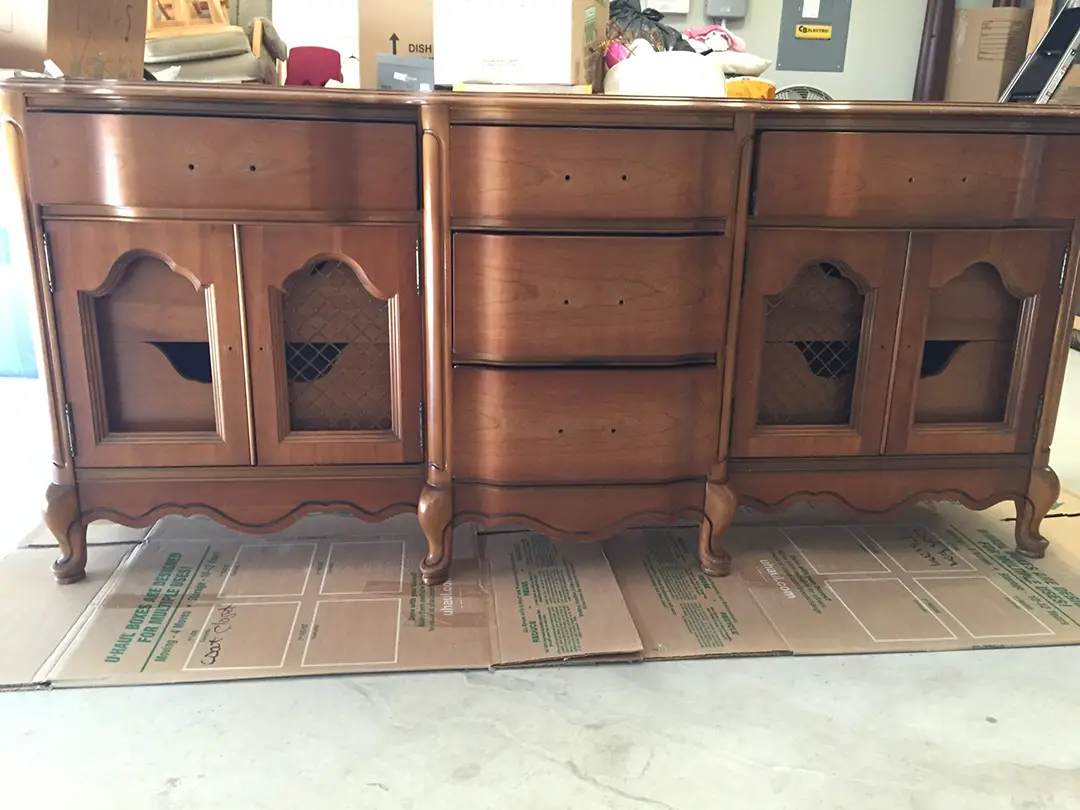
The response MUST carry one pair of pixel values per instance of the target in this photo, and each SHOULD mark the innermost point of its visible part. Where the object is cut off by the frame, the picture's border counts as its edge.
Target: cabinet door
(149, 325)
(977, 327)
(816, 329)
(336, 362)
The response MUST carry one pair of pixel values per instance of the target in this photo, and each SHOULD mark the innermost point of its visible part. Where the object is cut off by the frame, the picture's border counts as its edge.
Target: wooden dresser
(571, 314)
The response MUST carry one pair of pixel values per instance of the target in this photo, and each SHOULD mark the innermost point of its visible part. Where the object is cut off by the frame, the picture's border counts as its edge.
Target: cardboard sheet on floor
(333, 595)
(944, 579)
(36, 615)
(198, 602)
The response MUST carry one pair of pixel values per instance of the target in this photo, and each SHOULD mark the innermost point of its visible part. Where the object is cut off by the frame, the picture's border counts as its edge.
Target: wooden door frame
(203, 254)
(881, 288)
(1038, 290)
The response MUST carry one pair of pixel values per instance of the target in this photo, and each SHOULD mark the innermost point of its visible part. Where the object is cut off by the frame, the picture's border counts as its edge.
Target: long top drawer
(160, 161)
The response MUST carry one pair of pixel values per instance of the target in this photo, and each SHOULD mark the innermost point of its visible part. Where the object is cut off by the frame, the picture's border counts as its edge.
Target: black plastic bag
(627, 22)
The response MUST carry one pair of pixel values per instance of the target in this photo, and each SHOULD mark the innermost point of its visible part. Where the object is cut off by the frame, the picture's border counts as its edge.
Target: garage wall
(882, 52)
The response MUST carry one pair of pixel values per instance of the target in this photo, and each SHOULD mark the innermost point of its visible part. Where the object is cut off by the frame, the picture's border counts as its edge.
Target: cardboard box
(522, 42)
(1068, 93)
(988, 47)
(95, 39)
(199, 602)
(392, 28)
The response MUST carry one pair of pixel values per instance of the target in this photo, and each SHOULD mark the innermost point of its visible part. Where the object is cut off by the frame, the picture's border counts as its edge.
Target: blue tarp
(16, 321)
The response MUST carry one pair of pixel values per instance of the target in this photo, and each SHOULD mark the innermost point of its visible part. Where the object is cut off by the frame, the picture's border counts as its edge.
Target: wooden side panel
(892, 174)
(503, 173)
(551, 426)
(526, 298)
(188, 162)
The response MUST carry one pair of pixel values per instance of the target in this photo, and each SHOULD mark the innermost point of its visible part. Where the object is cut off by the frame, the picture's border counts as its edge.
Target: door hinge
(69, 423)
(419, 281)
(1038, 420)
(48, 263)
(423, 431)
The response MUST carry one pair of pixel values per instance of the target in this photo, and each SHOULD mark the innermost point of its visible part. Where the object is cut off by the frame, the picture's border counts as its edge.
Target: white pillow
(671, 73)
(735, 63)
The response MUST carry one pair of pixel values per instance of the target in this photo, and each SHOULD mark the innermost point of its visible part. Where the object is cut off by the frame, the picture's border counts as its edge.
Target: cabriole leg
(436, 512)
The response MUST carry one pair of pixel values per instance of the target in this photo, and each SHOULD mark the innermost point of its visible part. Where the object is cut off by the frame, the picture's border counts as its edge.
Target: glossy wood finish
(174, 162)
(382, 260)
(918, 223)
(881, 174)
(584, 425)
(589, 299)
(553, 174)
(92, 261)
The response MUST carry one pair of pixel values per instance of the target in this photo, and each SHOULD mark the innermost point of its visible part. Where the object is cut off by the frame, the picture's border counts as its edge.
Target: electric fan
(801, 92)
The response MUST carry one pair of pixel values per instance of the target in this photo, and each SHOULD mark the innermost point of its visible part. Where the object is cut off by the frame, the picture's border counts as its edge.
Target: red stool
(312, 66)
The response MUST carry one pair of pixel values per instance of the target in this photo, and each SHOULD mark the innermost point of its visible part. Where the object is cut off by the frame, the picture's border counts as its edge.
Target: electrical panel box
(725, 9)
(813, 35)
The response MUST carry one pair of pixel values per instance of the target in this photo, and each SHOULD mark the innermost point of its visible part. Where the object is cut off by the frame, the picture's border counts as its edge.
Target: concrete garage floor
(985, 730)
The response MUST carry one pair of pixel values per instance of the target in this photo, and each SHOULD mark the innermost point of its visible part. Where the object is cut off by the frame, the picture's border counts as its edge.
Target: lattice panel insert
(337, 352)
(811, 351)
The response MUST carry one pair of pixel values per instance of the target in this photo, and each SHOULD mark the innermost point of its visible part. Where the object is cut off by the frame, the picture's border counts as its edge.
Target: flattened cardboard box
(937, 580)
(197, 602)
(333, 595)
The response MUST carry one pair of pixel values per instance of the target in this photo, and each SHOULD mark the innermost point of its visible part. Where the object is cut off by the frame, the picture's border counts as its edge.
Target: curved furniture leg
(436, 512)
(1043, 492)
(65, 522)
(720, 505)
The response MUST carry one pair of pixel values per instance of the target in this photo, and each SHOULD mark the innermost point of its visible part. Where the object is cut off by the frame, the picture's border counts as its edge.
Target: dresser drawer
(529, 298)
(503, 173)
(888, 174)
(158, 161)
(584, 425)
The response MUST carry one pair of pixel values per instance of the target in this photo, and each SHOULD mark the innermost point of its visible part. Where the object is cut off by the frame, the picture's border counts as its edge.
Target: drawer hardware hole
(566, 302)
(251, 168)
(911, 179)
(621, 302)
(560, 430)
(613, 430)
(963, 179)
(624, 178)
(567, 178)
(191, 167)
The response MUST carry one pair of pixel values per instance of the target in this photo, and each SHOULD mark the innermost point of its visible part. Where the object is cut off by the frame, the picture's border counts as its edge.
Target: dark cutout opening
(937, 354)
(190, 359)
